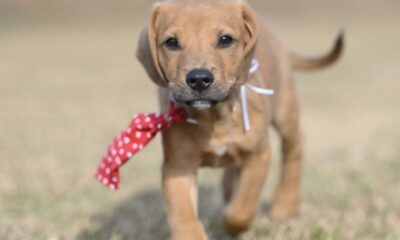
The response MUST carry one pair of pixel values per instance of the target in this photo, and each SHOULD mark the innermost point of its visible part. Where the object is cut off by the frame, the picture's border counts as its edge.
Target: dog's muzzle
(200, 80)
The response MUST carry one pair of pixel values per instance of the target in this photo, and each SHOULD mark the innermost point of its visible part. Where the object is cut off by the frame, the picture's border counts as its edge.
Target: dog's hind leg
(286, 121)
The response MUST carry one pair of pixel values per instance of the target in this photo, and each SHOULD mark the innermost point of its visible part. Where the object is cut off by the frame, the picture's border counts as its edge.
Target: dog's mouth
(201, 104)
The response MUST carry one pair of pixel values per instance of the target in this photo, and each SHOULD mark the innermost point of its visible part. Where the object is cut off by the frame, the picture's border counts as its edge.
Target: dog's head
(200, 50)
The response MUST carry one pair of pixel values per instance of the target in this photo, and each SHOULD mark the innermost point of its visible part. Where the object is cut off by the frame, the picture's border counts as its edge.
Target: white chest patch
(221, 150)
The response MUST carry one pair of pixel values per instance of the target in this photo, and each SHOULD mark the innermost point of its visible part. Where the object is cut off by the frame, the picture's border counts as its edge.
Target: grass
(68, 85)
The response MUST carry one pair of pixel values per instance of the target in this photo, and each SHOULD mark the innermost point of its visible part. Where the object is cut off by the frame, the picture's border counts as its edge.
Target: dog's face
(200, 50)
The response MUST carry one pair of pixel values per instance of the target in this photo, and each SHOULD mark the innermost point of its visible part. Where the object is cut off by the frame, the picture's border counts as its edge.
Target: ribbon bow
(142, 129)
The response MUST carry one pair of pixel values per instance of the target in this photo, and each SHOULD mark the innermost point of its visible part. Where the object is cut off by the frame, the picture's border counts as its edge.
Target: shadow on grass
(143, 217)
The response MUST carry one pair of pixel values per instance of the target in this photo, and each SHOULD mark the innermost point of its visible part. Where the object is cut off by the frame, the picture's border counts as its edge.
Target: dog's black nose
(199, 79)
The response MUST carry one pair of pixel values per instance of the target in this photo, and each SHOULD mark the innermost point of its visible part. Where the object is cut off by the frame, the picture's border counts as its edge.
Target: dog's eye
(225, 41)
(173, 44)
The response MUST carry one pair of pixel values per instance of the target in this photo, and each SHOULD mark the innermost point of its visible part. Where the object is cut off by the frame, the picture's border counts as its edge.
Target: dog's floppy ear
(147, 51)
(250, 27)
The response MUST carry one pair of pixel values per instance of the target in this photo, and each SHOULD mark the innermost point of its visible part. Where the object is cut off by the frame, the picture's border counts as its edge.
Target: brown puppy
(200, 52)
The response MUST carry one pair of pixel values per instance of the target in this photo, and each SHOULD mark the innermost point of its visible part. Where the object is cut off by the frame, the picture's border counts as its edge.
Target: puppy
(199, 54)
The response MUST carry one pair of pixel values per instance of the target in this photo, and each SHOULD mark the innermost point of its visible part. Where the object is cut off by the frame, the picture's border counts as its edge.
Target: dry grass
(68, 85)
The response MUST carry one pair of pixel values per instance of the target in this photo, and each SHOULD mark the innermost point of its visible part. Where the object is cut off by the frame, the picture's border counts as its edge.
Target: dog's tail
(320, 62)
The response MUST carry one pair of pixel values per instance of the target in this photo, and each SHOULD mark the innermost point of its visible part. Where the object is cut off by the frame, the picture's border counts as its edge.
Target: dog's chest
(226, 140)
(226, 143)
(221, 154)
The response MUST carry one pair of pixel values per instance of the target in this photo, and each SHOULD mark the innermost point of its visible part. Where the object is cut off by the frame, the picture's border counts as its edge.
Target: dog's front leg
(180, 191)
(180, 185)
(240, 212)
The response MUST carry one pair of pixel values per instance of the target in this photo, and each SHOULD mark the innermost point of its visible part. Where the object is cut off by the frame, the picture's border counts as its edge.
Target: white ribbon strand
(192, 121)
(259, 90)
(245, 112)
(255, 64)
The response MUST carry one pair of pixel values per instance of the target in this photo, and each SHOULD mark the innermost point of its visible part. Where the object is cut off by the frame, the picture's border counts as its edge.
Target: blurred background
(69, 81)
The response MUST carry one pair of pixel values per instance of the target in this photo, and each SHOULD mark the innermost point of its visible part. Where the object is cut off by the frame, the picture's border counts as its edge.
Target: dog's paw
(284, 211)
(236, 222)
(189, 231)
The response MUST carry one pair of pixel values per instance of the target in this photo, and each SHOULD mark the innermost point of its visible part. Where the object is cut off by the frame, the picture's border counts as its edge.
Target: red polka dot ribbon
(143, 128)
